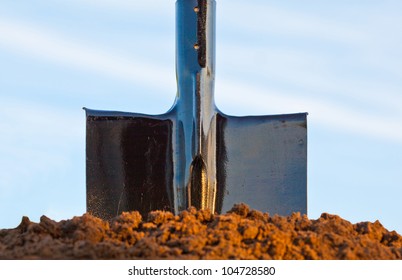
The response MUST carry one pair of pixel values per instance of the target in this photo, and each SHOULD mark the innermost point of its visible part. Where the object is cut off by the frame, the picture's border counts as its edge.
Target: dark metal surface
(194, 155)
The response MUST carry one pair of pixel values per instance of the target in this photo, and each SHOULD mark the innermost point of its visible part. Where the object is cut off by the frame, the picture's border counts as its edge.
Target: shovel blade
(129, 163)
(263, 162)
(260, 160)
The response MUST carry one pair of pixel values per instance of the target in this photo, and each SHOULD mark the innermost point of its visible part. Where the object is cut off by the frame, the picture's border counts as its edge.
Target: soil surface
(241, 233)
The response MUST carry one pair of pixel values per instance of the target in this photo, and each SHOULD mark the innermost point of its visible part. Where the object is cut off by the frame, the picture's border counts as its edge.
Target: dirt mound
(240, 234)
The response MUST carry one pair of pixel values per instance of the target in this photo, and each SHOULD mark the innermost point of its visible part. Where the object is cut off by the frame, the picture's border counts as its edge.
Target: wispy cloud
(36, 138)
(310, 74)
(36, 41)
(367, 39)
(156, 7)
(265, 17)
(330, 115)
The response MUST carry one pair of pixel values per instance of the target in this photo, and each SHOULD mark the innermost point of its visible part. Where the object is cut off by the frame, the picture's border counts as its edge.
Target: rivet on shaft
(196, 9)
(196, 46)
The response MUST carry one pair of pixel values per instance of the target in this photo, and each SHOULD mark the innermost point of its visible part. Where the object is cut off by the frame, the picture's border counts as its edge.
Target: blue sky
(338, 60)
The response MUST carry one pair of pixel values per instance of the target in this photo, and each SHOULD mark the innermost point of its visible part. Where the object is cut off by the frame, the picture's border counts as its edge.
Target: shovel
(195, 155)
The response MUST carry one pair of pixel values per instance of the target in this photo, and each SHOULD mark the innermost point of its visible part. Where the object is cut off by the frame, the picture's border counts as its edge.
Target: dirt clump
(242, 233)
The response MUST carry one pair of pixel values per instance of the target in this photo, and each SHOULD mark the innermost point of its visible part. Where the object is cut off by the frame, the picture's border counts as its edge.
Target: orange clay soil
(240, 234)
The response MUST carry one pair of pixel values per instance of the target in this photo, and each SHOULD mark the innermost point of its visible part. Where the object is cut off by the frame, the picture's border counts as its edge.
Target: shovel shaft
(195, 64)
(195, 180)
